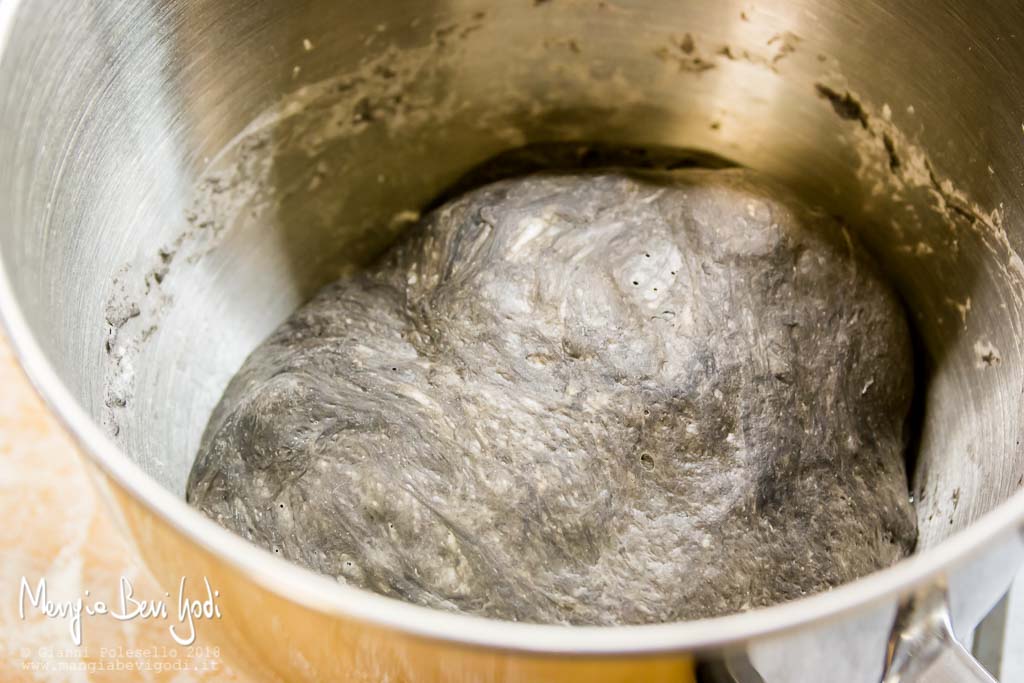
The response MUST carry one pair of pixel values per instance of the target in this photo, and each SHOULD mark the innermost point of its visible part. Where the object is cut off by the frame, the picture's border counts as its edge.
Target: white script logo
(189, 610)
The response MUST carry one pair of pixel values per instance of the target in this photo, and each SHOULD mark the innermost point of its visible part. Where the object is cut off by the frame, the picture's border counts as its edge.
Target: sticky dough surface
(597, 398)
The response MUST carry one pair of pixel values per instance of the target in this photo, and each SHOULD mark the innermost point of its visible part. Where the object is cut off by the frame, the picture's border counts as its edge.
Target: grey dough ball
(615, 397)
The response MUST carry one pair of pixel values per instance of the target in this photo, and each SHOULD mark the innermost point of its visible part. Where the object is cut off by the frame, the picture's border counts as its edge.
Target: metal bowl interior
(179, 176)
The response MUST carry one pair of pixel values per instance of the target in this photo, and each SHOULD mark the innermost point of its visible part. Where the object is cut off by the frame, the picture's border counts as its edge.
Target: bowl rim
(322, 594)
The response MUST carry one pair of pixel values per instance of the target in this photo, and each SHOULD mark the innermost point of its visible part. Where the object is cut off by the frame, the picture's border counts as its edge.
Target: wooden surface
(53, 525)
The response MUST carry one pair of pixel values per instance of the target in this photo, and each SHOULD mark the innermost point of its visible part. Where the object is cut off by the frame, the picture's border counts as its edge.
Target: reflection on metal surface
(925, 648)
(990, 638)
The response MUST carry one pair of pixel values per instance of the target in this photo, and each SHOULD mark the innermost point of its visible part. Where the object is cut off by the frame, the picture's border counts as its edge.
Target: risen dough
(616, 397)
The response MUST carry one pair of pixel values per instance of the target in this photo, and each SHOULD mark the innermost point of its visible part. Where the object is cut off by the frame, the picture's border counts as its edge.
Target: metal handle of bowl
(924, 648)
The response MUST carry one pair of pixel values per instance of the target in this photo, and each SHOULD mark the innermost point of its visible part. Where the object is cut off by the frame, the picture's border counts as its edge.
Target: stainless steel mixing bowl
(178, 175)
